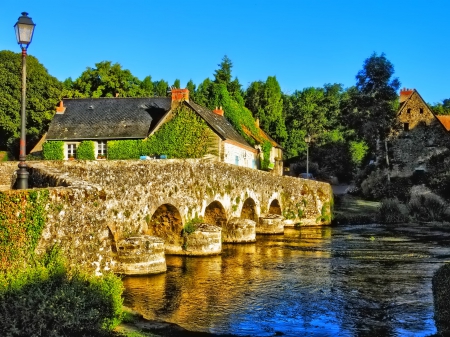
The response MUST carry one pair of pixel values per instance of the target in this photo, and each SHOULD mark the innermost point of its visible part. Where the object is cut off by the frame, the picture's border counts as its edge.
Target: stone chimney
(404, 94)
(179, 95)
(60, 108)
(218, 111)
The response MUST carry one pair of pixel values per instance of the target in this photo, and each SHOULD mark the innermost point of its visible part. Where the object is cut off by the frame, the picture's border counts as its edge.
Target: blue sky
(302, 42)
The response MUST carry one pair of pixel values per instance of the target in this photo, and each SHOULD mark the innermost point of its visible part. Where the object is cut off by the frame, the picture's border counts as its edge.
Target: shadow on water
(319, 281)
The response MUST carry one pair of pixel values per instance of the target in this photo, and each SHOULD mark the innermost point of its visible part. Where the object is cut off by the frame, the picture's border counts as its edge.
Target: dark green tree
(176, 84)
(376, 100)
(265, 100)
(147, 86)
(43, 94)
(107, 80)
(441, 108)
(161, 88)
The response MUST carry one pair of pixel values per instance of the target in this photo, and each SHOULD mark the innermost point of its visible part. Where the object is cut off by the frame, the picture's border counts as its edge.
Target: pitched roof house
(420, 135)
(104, 119)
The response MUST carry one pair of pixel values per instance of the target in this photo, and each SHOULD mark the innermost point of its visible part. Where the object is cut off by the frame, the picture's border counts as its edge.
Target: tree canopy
(43, 93)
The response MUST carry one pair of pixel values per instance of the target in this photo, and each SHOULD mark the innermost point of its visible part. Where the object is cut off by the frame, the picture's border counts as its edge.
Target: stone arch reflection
(167, 224)
(249, 210)
(215, 214)
(275, 207)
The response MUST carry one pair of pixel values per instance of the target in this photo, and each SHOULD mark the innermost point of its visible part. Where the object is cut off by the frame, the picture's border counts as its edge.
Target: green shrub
(441, 299)
(53, 150)
(191, 225)
(390, 211)
(375, 186)
(427, 207)
(124, 149)
(266, 147)
(48, 300)
(86, 150)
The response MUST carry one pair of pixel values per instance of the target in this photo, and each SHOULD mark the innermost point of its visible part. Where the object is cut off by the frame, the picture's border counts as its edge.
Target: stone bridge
(93, 204)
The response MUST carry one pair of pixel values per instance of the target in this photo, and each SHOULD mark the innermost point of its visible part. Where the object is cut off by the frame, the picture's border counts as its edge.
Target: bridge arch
(215, 214)
(249, 210)
(166, 223)
(274, 207)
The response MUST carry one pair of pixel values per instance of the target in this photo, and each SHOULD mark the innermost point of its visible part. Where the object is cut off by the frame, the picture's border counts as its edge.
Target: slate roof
(219, 124)
(107, 118)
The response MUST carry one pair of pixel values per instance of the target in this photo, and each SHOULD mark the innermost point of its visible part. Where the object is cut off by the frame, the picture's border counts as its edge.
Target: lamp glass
(307, 139)
(24, 29)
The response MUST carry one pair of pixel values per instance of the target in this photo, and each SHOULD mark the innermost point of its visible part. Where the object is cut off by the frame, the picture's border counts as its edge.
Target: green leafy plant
(190, 225)
(86, 150)
(53, 150)
(49, 300)
(390, 212)
(266, 147)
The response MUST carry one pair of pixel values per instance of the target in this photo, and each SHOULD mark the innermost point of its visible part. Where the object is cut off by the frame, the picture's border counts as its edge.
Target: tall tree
(43, 93)
(441, 108)
(176, 84)
(161, 88)
(265, 100)
(147, 86)
(376, 99)
(107, 80)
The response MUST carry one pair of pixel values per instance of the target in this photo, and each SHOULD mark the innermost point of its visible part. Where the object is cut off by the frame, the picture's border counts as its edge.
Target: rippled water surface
(313, 281)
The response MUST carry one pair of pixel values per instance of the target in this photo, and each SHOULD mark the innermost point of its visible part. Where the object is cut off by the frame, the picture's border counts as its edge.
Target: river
(366, 280)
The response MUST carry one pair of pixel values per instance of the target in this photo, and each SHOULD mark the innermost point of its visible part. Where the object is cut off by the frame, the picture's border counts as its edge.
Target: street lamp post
(24, 33)
(307, 141)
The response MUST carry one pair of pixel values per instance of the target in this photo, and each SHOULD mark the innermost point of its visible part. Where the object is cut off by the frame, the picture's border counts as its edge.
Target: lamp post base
(22, 176)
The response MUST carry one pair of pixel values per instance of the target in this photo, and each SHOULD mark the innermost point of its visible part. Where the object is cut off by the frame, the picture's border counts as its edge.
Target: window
(406, 126)
(71, 150)
(101, 150)
(408, 111)
(421, 110)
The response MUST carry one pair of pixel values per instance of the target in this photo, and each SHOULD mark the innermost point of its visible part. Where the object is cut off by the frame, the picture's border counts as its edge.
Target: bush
(48, 300)
(375, 186)
(427, 207)
(86, 150)
(124, 149)
(390, 211)
(53, 150)
(441, 299)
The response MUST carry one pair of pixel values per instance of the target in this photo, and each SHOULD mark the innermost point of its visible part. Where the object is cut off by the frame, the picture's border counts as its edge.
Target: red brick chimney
(404, 94)
(218, 111)
(179, 95)
(60, 108)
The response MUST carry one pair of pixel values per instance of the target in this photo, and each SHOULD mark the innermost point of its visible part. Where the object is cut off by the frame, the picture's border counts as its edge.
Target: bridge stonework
(94, 204)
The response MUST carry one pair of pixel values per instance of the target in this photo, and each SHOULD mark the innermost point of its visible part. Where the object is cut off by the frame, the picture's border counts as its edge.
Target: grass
(349, 209)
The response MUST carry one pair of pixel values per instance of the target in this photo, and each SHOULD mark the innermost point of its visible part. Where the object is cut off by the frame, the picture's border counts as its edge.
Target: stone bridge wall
(95, 203)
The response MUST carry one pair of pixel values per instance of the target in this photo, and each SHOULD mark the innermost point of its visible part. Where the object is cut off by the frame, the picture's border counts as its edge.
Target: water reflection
(316, 280)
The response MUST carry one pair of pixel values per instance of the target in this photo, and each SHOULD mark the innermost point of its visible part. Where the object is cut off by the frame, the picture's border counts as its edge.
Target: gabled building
(104, 119)
(419, 136)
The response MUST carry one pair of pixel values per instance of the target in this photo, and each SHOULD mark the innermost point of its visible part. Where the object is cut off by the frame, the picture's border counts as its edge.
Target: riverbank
(352, 210)
(135, 325)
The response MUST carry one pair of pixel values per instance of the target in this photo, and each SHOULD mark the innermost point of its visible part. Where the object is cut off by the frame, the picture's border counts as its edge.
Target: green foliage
(53, 150)
(441, 299)
(22, 219)
(186, 135)
(106, 80)
(124, 149)
(266, 147)
(86, 150)
(390, 211)
(48, 300)
(265, 100)
(4, 156)
(191, 225)
(428, 207)
(43, 94)
(375, 186)
(358, 151)
(326, 214)
(441, 108)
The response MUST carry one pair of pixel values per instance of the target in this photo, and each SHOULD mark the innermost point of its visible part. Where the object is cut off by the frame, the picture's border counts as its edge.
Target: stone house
(418, 136)
(103, 119)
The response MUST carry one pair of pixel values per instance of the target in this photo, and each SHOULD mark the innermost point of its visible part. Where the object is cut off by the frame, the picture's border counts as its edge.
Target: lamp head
(24, 28)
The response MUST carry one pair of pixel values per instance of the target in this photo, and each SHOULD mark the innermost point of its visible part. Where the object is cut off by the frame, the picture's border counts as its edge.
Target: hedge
(53, 150)
(86, 150)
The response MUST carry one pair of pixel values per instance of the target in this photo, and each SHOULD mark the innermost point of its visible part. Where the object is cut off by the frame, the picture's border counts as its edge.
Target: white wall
(237, 155)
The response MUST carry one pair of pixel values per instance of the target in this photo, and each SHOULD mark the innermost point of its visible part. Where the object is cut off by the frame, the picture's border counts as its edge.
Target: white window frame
(102, 149)
(71, 150)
